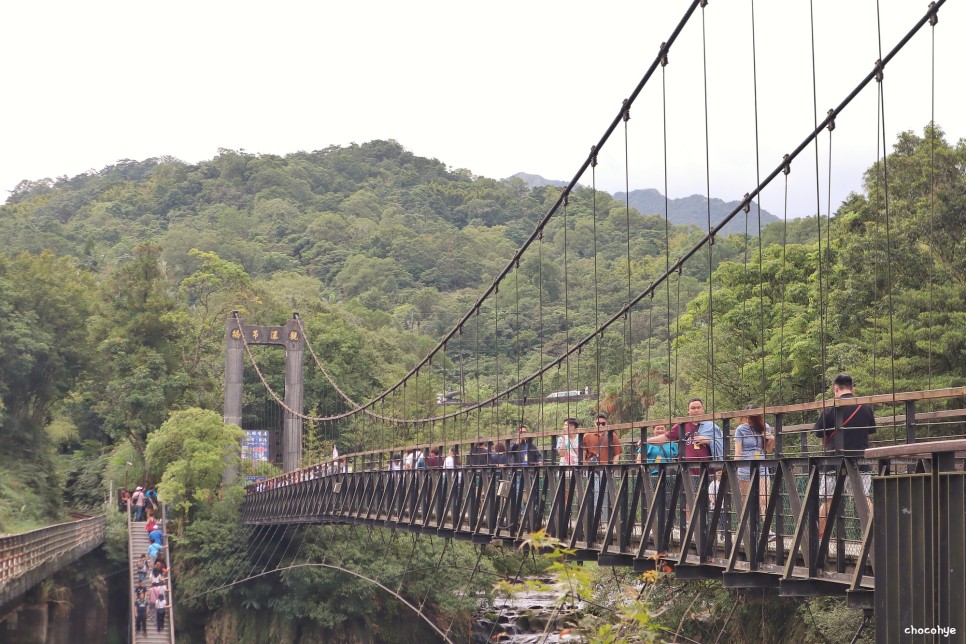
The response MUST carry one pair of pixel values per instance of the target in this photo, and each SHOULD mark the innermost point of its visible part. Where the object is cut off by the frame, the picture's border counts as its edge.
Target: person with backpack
(151, 500)
(702, 440)
(138, 500)
(142, 567)
(858, 421)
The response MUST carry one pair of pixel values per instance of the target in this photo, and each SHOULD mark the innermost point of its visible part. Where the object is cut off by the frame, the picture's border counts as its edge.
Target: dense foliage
(115, 286)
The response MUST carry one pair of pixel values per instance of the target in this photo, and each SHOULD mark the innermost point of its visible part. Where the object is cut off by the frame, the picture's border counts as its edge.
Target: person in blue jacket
(649, 453)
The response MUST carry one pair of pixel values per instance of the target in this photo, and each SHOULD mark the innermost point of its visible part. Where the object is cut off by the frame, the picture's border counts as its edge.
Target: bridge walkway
(613, 514)
(138, 542)
(28, 558)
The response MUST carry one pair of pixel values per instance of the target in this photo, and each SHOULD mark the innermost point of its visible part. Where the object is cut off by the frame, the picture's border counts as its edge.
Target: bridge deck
(694, 521)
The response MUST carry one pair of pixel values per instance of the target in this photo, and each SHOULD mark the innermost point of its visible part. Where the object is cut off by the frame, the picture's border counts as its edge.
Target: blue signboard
(255, 445)
(254, 479)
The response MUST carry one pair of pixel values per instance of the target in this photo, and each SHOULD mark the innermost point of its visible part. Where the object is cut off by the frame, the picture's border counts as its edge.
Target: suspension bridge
(800, 525)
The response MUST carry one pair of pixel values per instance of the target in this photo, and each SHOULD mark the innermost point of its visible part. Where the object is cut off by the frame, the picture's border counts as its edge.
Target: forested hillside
(115, 286)
(125, 276)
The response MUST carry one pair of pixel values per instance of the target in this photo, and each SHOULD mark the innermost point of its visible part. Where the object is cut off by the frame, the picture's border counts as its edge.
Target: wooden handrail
(167, 559)
(130, 576)
(951, 392)
(917, 449)
(815, 406)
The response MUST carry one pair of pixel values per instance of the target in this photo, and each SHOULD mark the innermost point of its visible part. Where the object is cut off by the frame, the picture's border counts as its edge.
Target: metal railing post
(167, 559)
(130, 576)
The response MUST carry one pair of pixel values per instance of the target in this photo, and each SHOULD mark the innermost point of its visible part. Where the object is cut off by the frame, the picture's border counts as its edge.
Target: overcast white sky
(497, 87)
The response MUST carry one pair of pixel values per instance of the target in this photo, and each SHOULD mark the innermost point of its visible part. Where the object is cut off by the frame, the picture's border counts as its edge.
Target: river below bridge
(529, 616)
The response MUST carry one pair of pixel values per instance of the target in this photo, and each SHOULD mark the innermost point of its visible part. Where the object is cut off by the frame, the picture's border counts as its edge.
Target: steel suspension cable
(593, 184)
(516, 336)
(667, 241)
(247, 544)
(262, 548)
(875, 244)
(479, 379)
(818, 212)
(476, 569)
(354, 574)
(784, 287)
(710, 245)
(542, 340)
(506, 602)
(932, 195)
(496, 351)
(650, 342)
(627, 232)
(569, 386)
(885, 177)
(761, 271)
(439, 564)
(558, 203)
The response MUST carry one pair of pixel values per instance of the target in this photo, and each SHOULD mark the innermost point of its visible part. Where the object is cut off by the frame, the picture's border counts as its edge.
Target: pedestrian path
(137, 544)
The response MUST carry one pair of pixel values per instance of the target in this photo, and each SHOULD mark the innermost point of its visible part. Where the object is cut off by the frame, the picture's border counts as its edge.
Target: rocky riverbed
(529, 616)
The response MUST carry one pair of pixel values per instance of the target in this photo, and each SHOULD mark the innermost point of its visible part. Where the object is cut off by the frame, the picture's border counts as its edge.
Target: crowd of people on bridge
(151, 592)
(693, 443)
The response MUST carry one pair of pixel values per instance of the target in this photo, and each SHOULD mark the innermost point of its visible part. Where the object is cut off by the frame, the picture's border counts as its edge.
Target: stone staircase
(138, 543)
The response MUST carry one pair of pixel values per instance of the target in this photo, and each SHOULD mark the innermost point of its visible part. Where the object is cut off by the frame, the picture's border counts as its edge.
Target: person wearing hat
(156, 536)
(138, 499)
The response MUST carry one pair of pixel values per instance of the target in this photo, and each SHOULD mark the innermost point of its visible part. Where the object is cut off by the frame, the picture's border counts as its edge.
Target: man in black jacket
(858, 421)
(523, 451)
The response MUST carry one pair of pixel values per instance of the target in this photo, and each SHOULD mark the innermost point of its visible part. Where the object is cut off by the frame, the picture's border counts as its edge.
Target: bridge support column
(237, 335)
(234, 370)
(292, 428)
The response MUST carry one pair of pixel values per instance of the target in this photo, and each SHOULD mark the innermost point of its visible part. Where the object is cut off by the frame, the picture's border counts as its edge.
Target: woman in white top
(568, 443)
(450, 462)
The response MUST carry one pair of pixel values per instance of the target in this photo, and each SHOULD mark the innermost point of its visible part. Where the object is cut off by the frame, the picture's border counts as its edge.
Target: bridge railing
(692, 516)
(803, 517)
(29, 557)
(170, 564)
(791, 440)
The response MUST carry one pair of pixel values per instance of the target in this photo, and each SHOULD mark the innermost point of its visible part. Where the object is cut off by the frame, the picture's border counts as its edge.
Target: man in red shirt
(697, 447)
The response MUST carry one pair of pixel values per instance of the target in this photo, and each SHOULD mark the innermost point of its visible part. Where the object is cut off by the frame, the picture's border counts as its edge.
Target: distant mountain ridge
(536, 181)
(685, 211)
(693, 210)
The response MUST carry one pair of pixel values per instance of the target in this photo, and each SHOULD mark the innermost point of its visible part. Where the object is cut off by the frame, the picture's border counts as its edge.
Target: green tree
(189, 453)
(45, 304)
(211, 292)
(140, 343)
